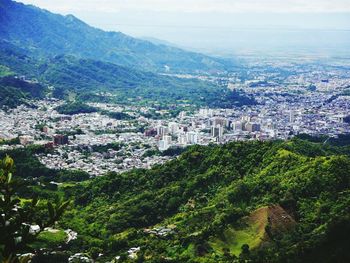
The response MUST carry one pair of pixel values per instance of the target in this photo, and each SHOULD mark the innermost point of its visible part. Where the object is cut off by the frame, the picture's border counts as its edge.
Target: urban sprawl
(97, 143)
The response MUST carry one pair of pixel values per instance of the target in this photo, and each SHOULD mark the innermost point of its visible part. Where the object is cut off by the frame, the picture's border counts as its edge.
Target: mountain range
(69, 74)
(44, 33)
(72, 57)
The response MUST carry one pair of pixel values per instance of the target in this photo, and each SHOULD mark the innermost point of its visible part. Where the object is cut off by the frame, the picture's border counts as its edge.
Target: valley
(119, 149)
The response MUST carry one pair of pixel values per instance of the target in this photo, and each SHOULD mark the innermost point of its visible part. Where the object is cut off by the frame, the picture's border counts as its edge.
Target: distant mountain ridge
(44, 33)
(86, 77)
(74, 58)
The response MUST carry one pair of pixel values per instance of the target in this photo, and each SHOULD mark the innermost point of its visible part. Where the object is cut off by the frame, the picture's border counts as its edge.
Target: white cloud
(227, 6)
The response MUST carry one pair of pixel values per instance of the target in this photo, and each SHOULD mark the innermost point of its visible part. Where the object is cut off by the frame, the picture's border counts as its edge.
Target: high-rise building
(252, 127)
(291, 116)
(217, 131)
(165, 143)
(161, 130)
(167, 138)
(270, 125)
(206, 112)
(151, 132)
(182, 138)
(173, 127)
(246, 118)
(237, 126)
(229, 124)
(192, 137)
(219, 121)
(162, 145)
(340, 118)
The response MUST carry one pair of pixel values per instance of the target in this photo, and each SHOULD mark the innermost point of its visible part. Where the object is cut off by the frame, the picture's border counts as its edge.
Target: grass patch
(252, 234)
(50, 239)
(234, 239)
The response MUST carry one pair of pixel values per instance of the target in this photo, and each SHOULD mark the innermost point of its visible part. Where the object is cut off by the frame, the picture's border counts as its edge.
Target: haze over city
(316, 28)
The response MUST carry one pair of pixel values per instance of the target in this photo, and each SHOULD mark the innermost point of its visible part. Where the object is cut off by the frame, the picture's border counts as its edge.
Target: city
(97, 144)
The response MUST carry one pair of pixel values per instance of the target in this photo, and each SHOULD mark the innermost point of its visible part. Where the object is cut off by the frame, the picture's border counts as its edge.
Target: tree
(18, 229)
(245, 252)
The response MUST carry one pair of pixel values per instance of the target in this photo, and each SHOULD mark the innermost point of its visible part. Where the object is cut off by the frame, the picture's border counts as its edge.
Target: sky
(221, 26)
(225, 6)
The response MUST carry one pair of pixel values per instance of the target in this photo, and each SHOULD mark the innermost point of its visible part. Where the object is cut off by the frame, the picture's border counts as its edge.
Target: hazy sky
(220, 26)
(230, 6)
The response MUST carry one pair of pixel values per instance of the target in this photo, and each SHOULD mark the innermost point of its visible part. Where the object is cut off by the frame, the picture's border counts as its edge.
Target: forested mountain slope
(259, 201)
(86, 77)
(45, 33)
(74, 58)
(15, 91)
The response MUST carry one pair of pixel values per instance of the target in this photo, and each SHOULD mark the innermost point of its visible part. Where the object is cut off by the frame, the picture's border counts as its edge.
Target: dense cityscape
(97, 143)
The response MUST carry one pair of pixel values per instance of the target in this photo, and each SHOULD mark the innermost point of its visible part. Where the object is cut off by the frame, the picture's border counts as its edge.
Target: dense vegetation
(118, 115)
(18, 216)
(75, 108)
(341, 140)
(256, 201)
(207, 190)
(15, 92)
(44, 33)
(86, 79)
(15, 60)
(62, 52)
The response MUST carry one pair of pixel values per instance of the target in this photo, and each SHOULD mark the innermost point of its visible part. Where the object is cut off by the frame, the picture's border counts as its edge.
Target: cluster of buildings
(71, 139)
(161, 231)
(311, 103)
(315, 101)
(282, 120)
(80, 154)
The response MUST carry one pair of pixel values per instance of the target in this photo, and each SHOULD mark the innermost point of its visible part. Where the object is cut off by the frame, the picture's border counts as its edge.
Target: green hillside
(258, 201)
(44, 33)
(14, 91)
(76, 59)
(256, 230)
(70, 75)
(87, 77)
(75, 108)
